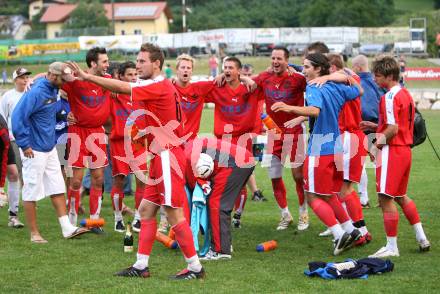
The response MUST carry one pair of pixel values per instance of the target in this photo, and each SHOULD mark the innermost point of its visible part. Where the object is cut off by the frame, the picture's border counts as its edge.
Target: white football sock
(392, 243)
(141, 262)
(348, 226)
(363, 187)
(194, 264)
(285, 211)
(337, 231)
(420, 233)
(14, 196)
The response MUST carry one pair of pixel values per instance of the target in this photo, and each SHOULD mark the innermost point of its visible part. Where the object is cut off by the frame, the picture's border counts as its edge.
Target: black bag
(419, 135)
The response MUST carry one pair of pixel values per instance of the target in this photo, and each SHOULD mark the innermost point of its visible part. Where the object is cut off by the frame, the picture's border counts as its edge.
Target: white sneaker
(325, 233)
(212, 255)
(285, 221)
(385, 252)
(303, 222)
(15, 223)
(424, 245)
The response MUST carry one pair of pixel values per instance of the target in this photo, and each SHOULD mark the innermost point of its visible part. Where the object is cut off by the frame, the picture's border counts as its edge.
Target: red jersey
(237, 107)
(259, 126)
(396, 107)
(224, 154)
(89, 103)
(285, 88)
(192, 99)
(351, 116)
(121, 108)
(163, 116)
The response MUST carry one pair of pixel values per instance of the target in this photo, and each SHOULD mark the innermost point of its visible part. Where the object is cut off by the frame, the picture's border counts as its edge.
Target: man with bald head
(369, 107)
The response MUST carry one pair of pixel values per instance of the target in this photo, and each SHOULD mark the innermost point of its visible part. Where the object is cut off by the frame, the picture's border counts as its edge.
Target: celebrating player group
(54, 128)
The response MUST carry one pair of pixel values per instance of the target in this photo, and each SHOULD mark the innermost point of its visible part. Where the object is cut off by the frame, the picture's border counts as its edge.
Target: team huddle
(56, 130)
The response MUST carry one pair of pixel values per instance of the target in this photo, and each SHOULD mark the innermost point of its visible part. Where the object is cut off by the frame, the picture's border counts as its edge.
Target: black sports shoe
(119, 226)
(97, 230)
(236, 220)
(134, 272)
(186, 274)
(258, 196)
(339, 244)
(136, 226)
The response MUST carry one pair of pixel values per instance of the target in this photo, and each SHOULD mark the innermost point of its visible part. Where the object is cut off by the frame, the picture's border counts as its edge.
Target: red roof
(123, 11)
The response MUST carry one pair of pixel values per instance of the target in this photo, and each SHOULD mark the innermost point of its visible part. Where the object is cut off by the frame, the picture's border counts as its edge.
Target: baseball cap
(21, 71)
(62, 69)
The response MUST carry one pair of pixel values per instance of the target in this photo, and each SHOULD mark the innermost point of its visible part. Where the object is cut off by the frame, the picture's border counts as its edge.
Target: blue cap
(83, 222)
(174, 245)
(260, 248)
(263, 116)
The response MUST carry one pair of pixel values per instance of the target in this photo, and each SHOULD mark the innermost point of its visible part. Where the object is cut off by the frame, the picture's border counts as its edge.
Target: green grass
(413, 5)
(87, 264)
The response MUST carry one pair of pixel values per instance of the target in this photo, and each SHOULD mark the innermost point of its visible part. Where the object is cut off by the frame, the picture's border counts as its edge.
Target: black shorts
(11, 156)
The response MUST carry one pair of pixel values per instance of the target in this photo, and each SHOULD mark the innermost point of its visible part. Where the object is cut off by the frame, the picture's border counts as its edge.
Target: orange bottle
(92, 223)
(269, 123)
(166, 241)
(267, 246)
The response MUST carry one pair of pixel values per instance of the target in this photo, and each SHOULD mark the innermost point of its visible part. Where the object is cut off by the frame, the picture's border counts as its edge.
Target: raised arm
(298, 110)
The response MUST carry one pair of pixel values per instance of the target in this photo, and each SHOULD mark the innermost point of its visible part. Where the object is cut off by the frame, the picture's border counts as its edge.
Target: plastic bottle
(269, 123)
(166, 241)
(267, 246)
(92, 223)
(128, 239)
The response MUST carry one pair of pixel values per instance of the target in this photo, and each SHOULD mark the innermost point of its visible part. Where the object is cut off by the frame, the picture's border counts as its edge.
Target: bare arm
(387, 134)
(298, 110)
(109, 84)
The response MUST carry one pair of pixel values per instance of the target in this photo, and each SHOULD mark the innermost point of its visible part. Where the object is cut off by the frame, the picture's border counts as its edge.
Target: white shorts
(42, 176)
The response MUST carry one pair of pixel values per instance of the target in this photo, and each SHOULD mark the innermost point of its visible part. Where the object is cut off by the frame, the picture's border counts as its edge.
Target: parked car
(264, 48)
(232, 49)
(374, 49)
(346, 50)
(296, 49)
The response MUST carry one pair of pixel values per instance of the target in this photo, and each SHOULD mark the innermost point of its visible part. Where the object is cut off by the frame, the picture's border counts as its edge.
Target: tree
(88, 14)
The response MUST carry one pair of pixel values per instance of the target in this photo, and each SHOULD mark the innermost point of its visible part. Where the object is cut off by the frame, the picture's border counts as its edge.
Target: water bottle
(267, 246)
(270, 124)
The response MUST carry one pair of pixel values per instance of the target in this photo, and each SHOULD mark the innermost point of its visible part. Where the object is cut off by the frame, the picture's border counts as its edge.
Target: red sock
(411, 213)
(354, 207)
(300, 191)
(391, 221)
(324, 212)
(338, 209)
(147, 235)
(95, 201)
(138, 195)
(240, 202)
(117, 201)
(75, 196)
(184, 238)
(279, 191)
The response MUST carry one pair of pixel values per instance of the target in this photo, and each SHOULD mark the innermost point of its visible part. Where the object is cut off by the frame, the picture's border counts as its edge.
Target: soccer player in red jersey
(353, 140)
(281, 86)
(393, 162)
(232, 167)
(165, 184)
(192, 95)
(126, 158)
(90, 105)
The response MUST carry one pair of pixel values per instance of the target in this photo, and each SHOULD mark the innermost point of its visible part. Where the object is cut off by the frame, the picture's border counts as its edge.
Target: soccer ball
(204, 166)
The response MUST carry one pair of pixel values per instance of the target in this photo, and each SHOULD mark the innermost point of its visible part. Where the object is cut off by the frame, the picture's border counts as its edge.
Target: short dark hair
(124, 66)
(386, 66)
(112, 67)
(317, 47)
(155, 53)
(234, 60)
(93, 55)
(319, 60)
(284, 49)
(247, 66)
(336, 60)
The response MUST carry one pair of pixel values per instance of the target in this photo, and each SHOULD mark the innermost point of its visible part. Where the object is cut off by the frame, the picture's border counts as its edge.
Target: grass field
(86, 265)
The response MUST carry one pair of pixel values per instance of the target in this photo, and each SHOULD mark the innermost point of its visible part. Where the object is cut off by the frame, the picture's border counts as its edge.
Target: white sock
(194, 264)
(303, 208)
(141, 261)
(420, 233)
(118, 215)
(337, 231)
(73, 216)
(392, 243)
(363, 187)
(363, 230)
(285, 211)
(348, 226)
(137, 216)
(14, 196)
(66, 227)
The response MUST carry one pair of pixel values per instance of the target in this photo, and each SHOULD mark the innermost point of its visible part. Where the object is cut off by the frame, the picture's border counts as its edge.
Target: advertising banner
(422, 74)
(125, 42)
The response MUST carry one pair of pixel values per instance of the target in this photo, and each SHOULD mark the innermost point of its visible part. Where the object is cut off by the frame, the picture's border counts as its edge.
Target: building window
(122, 21)
(122, 32)
(138, 32)
(57, 34)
